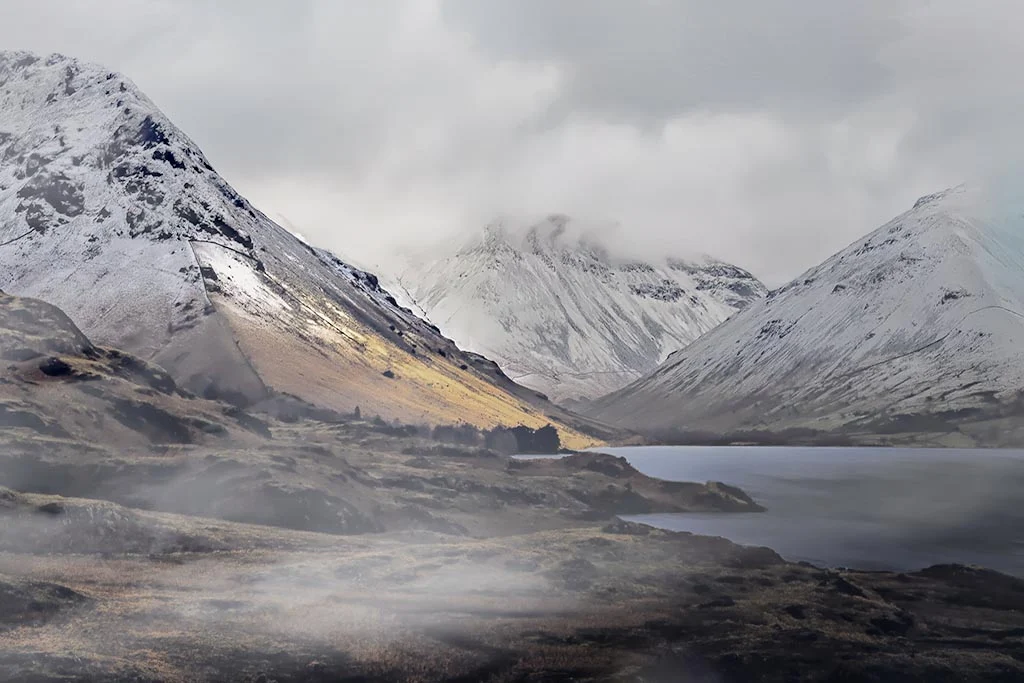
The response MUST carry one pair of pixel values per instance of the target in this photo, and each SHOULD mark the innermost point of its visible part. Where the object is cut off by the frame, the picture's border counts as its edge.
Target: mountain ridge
(564, 315)
(111, 213)
(916, 324)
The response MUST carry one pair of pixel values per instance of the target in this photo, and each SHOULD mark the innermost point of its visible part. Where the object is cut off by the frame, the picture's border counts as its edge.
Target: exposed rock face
(562, 314)
(111, 213)
(911, 332)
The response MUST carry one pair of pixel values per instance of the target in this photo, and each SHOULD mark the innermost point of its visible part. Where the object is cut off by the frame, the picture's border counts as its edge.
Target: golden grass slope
(348, 372)
(303, 342)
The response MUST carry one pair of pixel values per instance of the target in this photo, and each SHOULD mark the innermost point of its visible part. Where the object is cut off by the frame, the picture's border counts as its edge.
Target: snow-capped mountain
(916, 328)
(561, 314)
(111, 213)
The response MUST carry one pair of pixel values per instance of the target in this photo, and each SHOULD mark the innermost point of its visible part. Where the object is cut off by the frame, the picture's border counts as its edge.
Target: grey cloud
(657, 58)
(768, 133)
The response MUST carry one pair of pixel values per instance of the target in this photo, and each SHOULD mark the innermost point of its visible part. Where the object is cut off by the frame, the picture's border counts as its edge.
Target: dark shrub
(522, 439)
(463, 435)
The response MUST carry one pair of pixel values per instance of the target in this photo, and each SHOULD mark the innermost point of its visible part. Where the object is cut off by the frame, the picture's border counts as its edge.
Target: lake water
(869, 508)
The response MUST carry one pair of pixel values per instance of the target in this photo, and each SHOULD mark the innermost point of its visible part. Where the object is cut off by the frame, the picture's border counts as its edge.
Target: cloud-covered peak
(768, 135)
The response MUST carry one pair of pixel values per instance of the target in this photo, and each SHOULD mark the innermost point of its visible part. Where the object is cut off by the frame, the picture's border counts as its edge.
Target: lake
(868, 508)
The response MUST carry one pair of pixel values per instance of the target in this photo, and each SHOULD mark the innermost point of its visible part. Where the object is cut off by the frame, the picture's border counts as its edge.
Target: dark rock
(796, 611)
(729, 498)
(248, 422)
(625, 528)
(667, 290)
(805, 636)
(151, 133)
(753, 557)
(51, 509)
(898, 624)
(64, 197)
(724, 601)
(155, 423)
(608, 465)
(167, 156)
(952, 295)
(842, 586)
(55, 367)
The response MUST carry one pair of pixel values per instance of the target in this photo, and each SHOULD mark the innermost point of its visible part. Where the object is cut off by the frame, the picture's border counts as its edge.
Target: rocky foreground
(193, 599)
(345, 553)
(150, 535)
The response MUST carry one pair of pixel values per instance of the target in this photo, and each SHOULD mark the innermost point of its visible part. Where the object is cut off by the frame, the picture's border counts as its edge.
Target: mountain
(111, 213)
(58, 386)
(913, 333)
(561, 314)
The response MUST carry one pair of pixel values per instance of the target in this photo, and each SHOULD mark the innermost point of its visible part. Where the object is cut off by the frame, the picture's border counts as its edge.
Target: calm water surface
(869, 508)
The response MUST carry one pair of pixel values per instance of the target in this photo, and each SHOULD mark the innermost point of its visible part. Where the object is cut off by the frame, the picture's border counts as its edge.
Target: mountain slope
(562, 315)
(917, 328)
(56, 385)
(111, 213)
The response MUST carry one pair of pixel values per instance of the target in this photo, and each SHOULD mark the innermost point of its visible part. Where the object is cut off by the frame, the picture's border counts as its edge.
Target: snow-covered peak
(562, 238)
(549, 235)
(110, 212)
(70, 130)
(563, 313)
(922, 317)
(38, 94)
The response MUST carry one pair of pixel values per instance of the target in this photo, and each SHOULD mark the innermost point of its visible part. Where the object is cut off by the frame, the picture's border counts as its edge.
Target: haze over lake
(868, 508)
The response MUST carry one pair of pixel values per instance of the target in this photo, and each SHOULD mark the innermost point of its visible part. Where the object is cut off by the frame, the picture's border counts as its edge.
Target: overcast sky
(766, 132)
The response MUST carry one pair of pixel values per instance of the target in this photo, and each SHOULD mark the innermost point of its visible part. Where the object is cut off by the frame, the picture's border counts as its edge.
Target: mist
(772, 145)
(227, 455)
(309, 605)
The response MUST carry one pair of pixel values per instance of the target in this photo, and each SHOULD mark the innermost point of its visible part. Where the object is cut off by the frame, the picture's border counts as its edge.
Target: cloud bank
(770, 134)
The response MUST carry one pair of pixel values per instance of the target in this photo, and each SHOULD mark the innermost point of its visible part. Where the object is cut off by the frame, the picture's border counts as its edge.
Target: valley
(202, 541)
(229, 455)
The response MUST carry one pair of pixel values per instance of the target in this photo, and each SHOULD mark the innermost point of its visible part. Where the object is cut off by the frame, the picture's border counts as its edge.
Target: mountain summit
(915, 329)
(561, 313)
(111, 213)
